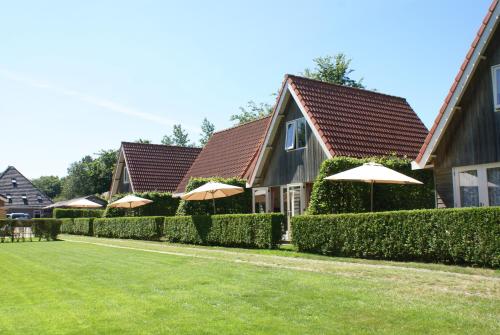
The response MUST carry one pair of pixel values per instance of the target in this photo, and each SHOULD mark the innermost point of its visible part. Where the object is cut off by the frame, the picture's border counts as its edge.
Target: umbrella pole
(371, 196)
(213, 202)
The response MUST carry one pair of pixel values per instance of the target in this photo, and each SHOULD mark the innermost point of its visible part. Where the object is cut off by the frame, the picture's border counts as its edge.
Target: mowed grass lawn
(88, 285)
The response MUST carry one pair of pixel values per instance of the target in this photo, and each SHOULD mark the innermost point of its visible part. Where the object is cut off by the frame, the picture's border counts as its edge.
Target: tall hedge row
(163, 205)
(78, 226)
(237, 204)
(142, 228)
(47, 229)
(64, 213)
(330, 197)
(234, 230)
(458, 236)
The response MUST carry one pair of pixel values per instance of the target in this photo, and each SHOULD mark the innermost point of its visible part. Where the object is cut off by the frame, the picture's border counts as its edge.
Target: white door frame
(268, 198)
(482, 182)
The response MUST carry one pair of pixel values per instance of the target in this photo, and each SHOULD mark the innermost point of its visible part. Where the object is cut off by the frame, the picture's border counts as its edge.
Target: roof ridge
(162, 145)
(243, 124)
(291, 76)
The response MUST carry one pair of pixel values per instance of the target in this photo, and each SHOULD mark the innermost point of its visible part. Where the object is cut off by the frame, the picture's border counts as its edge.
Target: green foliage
(141, 228)
(207, 130)
(251, 112)
(47, 229)
(142, 141)
(79, 226)
(163, 205)
(179, 137)
(333, 69)
(50, 185)
(459, 236)
(233, 230)
(90, 175)
(237, 204)
(62, 213)
(330, 197)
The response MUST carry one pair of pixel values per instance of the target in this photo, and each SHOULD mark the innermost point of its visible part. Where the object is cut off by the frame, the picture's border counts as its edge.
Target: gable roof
(478, 46)
(155, 167)
(229, 153)
(24, 187)
(349, 121)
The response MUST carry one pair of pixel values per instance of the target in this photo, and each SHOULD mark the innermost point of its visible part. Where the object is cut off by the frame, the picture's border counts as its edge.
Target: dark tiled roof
(157, 167)
(229, 153)
(359, 123)
(34, 197)
(454, 86)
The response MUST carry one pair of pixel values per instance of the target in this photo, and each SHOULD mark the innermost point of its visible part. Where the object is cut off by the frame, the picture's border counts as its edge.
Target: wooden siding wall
(473, 135)
(295, 166)
(122, 187)
(2, 210)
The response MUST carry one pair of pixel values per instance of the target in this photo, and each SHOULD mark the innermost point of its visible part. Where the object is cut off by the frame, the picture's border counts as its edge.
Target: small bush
(141, 228)
(233, 230)
(65, 213)
(41, 228)
(78, 226)
(163, 205)
(237, 204)
(459, 236)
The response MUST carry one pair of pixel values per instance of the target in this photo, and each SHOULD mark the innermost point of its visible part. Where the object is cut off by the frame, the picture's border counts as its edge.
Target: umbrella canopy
(212, 190)
(83, 203)
(373, 173)
(130, 201)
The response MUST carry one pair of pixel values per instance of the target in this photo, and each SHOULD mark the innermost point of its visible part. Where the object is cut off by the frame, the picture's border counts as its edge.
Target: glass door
(493, 177)
(293, 204)
(477, 185)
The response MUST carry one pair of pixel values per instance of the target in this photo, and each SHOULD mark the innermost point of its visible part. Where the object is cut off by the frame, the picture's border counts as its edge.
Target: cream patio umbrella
(373, 173)
(212, 190)
(82, 203)
(130, 201)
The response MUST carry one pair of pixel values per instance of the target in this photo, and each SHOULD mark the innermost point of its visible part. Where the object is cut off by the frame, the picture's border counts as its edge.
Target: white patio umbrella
(130, 201)
(83, 203)
(373, 173)
(212, 190)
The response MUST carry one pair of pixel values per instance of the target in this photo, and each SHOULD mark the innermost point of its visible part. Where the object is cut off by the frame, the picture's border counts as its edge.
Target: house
(22, 196)
(313, 121)
(229, 153)
(3, 200)
(151, 167)
(463, 146)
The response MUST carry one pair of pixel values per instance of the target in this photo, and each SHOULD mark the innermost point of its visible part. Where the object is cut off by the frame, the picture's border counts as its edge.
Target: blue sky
(77, 77)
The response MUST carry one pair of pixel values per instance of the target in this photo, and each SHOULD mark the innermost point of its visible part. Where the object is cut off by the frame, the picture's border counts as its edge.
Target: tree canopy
(50, 185)
(207, 130)
(179, 137)
(333, 69)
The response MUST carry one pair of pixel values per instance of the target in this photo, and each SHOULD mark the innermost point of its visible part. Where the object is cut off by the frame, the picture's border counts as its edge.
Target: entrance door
(293, 204)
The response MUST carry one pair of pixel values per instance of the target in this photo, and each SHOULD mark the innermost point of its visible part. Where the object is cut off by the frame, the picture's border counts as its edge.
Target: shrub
(237, 204)
(459, 236)
(41, 228)
(163, 205)
(64, 213)
(78, 226)
(330, 197)
(232, 230)
(142, 228)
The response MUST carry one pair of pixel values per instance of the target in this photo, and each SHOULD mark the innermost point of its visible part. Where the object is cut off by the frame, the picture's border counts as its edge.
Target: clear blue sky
(82, 76)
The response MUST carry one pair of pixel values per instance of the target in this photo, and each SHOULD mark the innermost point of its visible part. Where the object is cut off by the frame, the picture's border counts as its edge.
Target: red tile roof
(357, 122)
(157, 167)
(229, 153)
(474, 45)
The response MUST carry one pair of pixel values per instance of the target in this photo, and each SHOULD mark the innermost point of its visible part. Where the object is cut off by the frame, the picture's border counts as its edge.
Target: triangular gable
(117, 173)
(460, 84)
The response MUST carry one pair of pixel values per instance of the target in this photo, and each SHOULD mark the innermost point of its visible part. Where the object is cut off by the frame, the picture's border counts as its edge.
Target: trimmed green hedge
(64, 213)
(142, 228)
(237, 204)
(41, 228)
(78, 226)
(233, 230)
(163, 205)
(459, 236)
(329, 197)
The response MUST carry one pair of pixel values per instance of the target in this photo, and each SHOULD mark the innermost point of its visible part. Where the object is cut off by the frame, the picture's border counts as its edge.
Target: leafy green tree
(142, 141)
(50, 185)
(179, 137)
(251, 112)
(333, 69)
(207, 130)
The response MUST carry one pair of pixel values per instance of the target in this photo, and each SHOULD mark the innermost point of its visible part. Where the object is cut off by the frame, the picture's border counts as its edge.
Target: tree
(90, 175)
(179, 137)
(142, 141)
(207, 130)
(253, 111)
(333, 69)
(50, 185)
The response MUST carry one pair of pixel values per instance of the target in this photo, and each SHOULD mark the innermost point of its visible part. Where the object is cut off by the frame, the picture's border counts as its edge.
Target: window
(495, 75)
(469, 188)
(9, 198)
(37, 214)
(14, 182)
(493, 176)
(39, 198)
(125, 175)
(25, 199)
(477, 185)
(296, 137)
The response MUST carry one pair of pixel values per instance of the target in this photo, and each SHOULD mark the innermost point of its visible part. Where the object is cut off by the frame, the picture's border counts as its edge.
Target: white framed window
(296, 134)
(495, 76)
(14, 182)
(477, 185)
(125, 176)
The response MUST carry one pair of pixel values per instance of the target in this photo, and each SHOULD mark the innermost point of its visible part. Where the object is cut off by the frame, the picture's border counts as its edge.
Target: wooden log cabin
(463, 146)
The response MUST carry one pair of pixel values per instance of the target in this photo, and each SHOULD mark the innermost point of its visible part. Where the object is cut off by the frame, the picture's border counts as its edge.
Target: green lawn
(89, 285)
